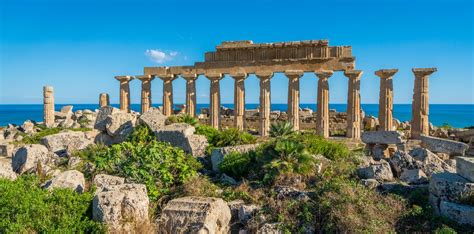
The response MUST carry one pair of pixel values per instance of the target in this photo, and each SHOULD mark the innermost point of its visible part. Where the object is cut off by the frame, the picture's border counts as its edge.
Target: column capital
(167, 77)
(145, 78)
(386, 73)
(324, 74)
(294, 74)
(422, 72)
(353, 74)
(124, 79)
(189, 76)
(214, 76)
(264, 75)
(239, 75)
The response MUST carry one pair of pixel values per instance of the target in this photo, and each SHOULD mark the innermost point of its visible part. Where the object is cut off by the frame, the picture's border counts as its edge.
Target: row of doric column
(420, 124)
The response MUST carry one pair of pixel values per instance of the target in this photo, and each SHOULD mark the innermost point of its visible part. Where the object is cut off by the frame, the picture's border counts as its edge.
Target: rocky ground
(240, 199)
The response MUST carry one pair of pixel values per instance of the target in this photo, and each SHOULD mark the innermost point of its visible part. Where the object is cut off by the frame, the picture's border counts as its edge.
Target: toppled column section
(190, 93)
(48, 106)
(420, 106)
(294, 97)
(322, 121)
(386, 98)
(124, 92)
(353, 104)
(146, 92)
(264, 78)
(239, 99)
(215, 118)
(168, 93)
(104, 100)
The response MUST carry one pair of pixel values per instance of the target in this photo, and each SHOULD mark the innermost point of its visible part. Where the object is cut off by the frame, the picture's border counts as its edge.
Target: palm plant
(291, 157)
(281, 129)
(186, 118)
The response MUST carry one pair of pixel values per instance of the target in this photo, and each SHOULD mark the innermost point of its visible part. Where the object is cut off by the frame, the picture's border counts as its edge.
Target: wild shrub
(183, 118)
(207, 131)
(27, 208)
(232, 137)
(142, 134)
(318, 145)
(281, 129)
(238, 165)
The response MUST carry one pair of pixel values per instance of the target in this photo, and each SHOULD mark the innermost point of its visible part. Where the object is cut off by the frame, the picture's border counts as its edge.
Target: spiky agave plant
(281, 129)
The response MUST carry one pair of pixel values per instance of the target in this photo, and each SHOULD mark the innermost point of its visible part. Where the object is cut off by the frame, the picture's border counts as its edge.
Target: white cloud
(159, 56)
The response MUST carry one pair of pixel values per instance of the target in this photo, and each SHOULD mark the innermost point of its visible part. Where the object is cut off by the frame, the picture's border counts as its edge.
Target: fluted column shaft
(190, 93)
(104, 100)
(294, 97)
(265, 98)
(124, 92)
(239, 99)
(168, 93)
(215, 105)
(353, 104)
(322, 120)
(386, 98)
(146, 92)
(420, 104)
(48, 106)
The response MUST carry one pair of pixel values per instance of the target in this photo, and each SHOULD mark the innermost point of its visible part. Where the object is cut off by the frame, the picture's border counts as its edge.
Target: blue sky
(79, 46)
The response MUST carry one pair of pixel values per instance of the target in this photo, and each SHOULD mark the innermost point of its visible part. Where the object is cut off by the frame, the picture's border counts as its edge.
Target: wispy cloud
(159, 56)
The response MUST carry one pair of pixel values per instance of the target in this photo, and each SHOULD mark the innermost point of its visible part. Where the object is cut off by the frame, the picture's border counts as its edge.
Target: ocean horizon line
(233, 103)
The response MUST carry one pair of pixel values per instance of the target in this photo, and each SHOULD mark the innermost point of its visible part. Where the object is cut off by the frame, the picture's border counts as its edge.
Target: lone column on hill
(322, 118)
(239, 99)
(146, 91)
(48, 106)
(124, 92)
(386, 98)
(168, 93)
(420, 105)
(190, 93)
(104, 99)
(264, 78)
(294, 97)
(353, 104)
(215, 118)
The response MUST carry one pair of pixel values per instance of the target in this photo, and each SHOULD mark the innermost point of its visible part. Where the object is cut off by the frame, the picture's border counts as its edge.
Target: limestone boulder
(465, 167)
(62, 142)
(246, 212)
(28, 127)
(401, 161)
(377, 170)
(28, 157)
(195, 215)
(6, 170)
(450, 187)
(460, 213)
(104, 181)
(102, 115)
(121, 206)
(218, 154)
(370, 123)
(382, 137)
(182, 135)
(120, 124)
(429, 162)
(271, 228)
(153, 118)
(439, 145)
(7, 149)
(72, 179)
(414, 176)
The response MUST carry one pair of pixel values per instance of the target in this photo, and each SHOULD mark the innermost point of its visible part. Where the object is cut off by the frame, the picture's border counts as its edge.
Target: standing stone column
(104, 100)
(124, 92)
(190, 93)
(386, 98)
(294, 97)
(239, 99)
(146, 92)
(420, 105)
(48, 106)
(215, 105)
(265, 78)
(353, 104)
(167, 93)
(322, 120)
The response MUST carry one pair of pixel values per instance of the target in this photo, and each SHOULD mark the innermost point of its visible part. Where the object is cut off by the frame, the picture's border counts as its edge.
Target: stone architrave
(353, 104)
(294, 97)
(48, 106)
(215, 118)
(420, 105)
(124, 92)
(104, 100)
(239, 99)
(146, 92)
(322, 119)
(386, 98)
(190, 93)
(264, 78)
(167, 93)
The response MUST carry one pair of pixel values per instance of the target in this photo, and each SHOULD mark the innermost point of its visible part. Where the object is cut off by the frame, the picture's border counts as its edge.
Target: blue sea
(456, 115)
